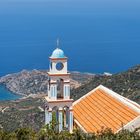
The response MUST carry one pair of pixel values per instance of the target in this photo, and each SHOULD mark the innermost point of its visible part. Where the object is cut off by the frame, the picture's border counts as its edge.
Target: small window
(59, 66)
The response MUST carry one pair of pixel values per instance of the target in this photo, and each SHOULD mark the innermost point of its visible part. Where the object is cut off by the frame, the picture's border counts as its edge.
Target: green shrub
(49, 133)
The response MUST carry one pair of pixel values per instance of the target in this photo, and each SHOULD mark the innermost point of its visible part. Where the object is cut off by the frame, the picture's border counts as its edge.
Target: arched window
(60, 84)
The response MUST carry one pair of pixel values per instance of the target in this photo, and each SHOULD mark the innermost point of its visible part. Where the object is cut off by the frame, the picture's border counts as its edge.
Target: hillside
(30, 111)
(125, 83)
(27, 112)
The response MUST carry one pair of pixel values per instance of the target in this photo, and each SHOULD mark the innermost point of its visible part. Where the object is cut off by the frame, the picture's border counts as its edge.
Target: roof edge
(81, 127)
(132, 125)
(87, 94)
(122, 99)
(134, 103)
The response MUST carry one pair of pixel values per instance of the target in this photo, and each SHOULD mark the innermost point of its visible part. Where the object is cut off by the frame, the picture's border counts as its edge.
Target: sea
(97, 35)
(7, 95)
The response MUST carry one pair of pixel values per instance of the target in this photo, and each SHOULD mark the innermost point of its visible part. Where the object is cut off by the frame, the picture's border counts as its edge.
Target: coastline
(34, 82)
(7, 95)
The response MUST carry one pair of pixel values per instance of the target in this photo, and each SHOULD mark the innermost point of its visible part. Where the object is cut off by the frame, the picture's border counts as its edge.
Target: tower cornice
(58, 100)
(58, 74)
(65, 58)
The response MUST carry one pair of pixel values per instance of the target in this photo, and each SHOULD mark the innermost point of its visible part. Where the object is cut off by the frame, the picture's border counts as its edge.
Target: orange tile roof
(100, 110)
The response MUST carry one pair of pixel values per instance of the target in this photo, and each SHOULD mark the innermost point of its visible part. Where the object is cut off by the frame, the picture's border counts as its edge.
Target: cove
(5, 94)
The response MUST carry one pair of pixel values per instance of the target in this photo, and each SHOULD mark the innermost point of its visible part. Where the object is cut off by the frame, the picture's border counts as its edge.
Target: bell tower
(58, 101)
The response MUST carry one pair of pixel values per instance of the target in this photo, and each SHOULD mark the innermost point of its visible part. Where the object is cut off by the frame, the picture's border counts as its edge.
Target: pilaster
(60, 119)
(71, 120)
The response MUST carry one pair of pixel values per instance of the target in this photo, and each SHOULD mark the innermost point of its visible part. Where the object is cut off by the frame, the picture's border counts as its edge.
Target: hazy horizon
(102, 34)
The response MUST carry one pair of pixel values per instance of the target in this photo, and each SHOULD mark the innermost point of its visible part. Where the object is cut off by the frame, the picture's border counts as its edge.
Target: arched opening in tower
(65, 118)
(60, 85)
(55, 118)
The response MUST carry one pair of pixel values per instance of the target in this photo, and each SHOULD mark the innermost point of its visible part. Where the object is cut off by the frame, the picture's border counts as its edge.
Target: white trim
(137, 105)
(81, 127)
(132, 125)
(120, 98)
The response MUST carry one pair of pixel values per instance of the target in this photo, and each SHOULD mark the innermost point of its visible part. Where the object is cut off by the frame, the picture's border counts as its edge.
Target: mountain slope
(29, 112)
(125, 83)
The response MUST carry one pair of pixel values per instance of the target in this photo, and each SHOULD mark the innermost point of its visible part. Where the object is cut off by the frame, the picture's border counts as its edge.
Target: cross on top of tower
(58, 43)
(58, 53)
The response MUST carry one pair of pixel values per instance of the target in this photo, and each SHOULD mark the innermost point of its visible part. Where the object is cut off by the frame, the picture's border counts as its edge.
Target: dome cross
(58, 43)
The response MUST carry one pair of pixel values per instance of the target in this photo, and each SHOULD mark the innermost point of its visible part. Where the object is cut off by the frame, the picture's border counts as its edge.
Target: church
(99, 109)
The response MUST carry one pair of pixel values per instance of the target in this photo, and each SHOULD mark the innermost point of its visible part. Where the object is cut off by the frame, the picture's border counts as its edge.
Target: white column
(60, 119)
(49, 93)
(48, 116)
(64, 91)
(55, 92)
(68, 91)
(71, 121)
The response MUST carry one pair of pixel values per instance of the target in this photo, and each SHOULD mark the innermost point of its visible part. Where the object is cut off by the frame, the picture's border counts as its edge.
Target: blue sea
(7, 95)
(97, 35)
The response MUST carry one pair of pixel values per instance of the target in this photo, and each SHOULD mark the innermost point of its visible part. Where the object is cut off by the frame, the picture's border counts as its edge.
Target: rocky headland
(27, 83)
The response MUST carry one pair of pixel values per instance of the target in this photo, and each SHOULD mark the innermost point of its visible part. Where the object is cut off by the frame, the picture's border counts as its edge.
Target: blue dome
(58, 53)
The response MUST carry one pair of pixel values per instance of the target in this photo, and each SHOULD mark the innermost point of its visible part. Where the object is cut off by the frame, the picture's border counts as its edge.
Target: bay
(7, 95)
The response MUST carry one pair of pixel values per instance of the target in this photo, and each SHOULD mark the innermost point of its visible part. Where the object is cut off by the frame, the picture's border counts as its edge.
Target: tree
(26, 134)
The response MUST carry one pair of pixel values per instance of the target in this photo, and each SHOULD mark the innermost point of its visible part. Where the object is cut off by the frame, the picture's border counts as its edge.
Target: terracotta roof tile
(100, 110)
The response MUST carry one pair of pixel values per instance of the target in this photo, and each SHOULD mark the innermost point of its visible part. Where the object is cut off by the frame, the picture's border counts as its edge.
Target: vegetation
(49, 133)
(125, 83)
(22, 113)
(28, 113)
